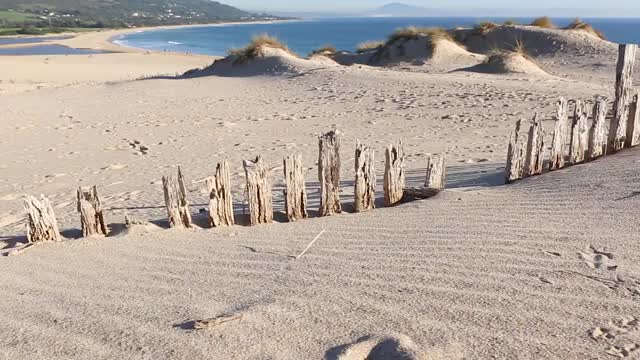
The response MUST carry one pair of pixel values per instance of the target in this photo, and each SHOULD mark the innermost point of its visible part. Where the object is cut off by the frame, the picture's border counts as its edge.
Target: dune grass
(368, 46)
(254, 49)
(543, 22)
(412, 33)
(578, 24)
(510, 23)
(325, 50)
(484, 27)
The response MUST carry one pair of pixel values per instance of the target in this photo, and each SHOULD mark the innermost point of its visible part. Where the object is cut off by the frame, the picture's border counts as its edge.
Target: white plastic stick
(310, 244)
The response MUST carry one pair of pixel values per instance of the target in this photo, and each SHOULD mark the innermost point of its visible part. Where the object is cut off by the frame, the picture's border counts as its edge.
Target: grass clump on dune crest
(412, 33)
(254, 49)
(368, 46)
(484, 27)
(325, 50)
(578, 24)
(510, 23)
(543, 22)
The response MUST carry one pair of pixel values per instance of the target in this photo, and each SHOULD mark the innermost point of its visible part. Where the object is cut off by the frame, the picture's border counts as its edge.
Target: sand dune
(508, 62)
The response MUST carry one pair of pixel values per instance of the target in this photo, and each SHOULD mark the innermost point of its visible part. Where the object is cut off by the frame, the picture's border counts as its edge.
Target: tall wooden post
(633, 123)
(41, 221)
(624, 84)
(535, 149)
(258, 191)
(394, 177)
(295, 195)
(329, 173)
(515, 155)
(220, 200)
(175, 198)
(91, 216)
(598, 135)
(365, 186)
(560, 135)
(579, 135)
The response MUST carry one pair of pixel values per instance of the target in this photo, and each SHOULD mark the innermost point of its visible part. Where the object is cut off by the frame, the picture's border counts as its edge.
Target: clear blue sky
(608, 7)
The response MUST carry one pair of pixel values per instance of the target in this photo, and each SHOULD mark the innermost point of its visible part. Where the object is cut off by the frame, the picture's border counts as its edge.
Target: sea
(304, 36)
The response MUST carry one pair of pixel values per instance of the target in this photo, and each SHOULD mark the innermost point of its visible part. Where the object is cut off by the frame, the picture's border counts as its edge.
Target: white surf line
(310, 244)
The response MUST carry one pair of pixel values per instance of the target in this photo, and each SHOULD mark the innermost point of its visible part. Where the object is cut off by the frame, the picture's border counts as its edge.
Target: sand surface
(543, 269)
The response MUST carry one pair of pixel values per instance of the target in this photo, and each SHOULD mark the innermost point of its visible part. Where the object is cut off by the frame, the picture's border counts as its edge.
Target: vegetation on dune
(325, 50)
(510, 22)
(484, 27)
(255, 48)
(543, 22)
(578, 24)
(412, 33)
(369, 46)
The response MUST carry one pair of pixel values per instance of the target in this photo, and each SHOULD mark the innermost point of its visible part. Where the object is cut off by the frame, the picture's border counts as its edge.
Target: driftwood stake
(515, 155)
(633, 123)
(329, 173)
(598, 134)
(624, 83)
(365, 186)
(258, 192)
(41, 221)
(535, 149)
(175, 199)
(91, 216)
(579, 135)
(560, 135)
(220, 200)
(295, 195)
(436, 172)
(394, 178)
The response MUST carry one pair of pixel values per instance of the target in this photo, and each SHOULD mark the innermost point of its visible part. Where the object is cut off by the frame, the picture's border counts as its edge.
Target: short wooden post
(560, 135)
(394, 177)
(258, 192)
(295, 195)
(91, 216)
(515, 155)
(41, 221)
(220, 200)
(535, 149)
(633, 123)
(175, 199)
(624, 84)
(436, 172)
(365, 186)
(329, 173)
(598, 135)
(579, 135)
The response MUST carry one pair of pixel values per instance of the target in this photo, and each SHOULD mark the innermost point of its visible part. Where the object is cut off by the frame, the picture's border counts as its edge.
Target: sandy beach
(546, 268)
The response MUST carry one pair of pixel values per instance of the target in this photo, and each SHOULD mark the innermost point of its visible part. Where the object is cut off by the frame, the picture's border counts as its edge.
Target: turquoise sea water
(345, 34)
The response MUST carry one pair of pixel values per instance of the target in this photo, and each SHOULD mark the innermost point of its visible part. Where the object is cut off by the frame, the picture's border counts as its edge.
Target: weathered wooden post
(329, 173)
(534, 161)
(598, 136)
(436, 172)
(365, 186)
(394, 179)
(91, 216)
(41, 221)
(220, 200)
(579, 135)
(624, 84)
(633, 123)
(515, 156)
(258, 192)
(175, 199)
(295, 195)
(560, 135)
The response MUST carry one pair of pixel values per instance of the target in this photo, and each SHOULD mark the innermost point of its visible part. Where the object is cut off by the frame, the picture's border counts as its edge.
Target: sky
(518, 7)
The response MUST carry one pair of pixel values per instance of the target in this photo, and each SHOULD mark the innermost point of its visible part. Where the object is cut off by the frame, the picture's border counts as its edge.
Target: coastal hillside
(113, 13)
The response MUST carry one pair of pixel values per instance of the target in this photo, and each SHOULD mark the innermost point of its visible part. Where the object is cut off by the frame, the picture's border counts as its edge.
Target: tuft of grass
(254, 49)
(543, 22)
(484, 27)
(325, 50)
(578, 24)
(412, 33)
(368, 46)
(510, 22)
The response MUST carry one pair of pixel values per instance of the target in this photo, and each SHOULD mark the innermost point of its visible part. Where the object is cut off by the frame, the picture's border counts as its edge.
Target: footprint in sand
(621, 337)
(596, 259)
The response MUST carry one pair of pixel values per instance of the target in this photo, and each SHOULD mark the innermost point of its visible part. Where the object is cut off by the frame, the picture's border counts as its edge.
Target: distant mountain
(118, 13)
(400, 10)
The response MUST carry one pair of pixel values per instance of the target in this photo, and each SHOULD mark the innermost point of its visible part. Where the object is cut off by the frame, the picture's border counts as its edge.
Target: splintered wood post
(560, 135)
(436, 172)
(329, 173)
(41, 221)
(175, 199)
(365, 186)
(295, 194)
(91, 216)
(579, 135)
(394, 174)
(624, 84)
(535, 149)
(515, 156)
(633, 123)
(220, 200)
(258, 191)
(598, 134)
